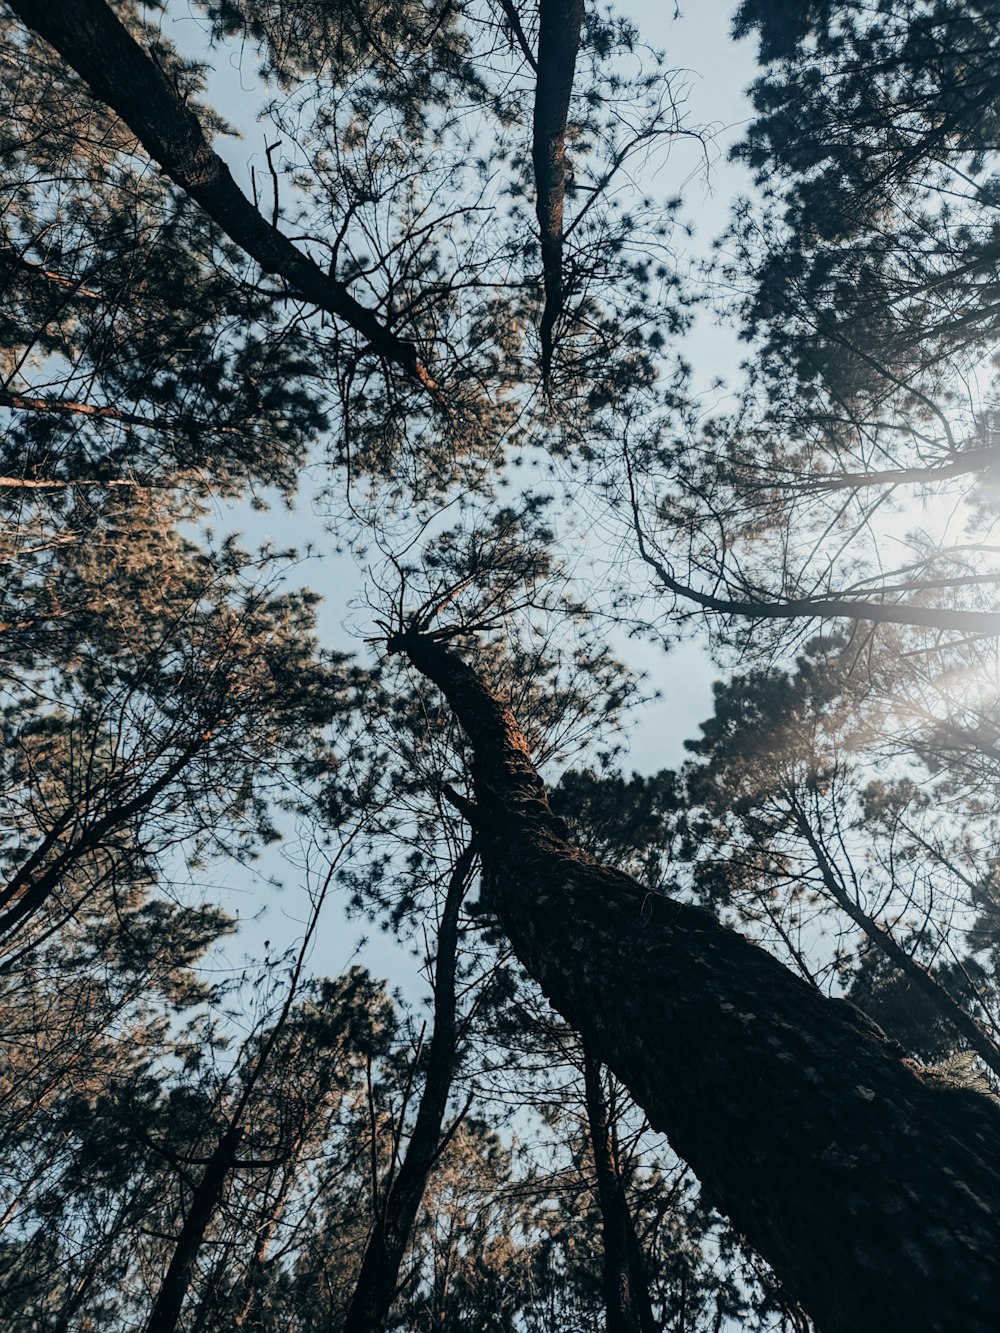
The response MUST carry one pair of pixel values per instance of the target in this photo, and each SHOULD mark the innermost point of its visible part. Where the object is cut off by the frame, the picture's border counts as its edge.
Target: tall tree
(771, 1091)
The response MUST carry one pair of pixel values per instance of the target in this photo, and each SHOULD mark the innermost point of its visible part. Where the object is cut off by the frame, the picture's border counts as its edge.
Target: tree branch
(92, 40)
(823, 608)
(21, 402)
(966, 462)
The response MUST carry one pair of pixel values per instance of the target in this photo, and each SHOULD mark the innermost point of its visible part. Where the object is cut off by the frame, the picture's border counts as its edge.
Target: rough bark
(559, 26)
(378, 1278)
(111, 62)
(626, 1291)
(870, 1186)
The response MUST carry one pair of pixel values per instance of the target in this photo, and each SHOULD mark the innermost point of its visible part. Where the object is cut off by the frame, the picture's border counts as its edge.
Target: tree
(606, 348)
(864, 282)
(266, 1121)
(418, 872)
(768, 1089)
(134, 352)
(438, 239)
(86, 1019)
(777, 787)
(167, 676)
(874, 133)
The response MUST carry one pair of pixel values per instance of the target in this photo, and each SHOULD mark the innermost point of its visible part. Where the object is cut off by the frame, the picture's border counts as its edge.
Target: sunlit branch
(832, 607)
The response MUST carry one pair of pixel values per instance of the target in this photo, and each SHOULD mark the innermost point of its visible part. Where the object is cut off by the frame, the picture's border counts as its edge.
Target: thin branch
(517, 31)
(833, 607)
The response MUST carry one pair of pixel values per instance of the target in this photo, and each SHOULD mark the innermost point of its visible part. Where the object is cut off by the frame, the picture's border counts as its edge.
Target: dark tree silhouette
(872, 1188)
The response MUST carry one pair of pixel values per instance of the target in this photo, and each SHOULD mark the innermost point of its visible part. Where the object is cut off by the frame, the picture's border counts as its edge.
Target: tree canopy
(707, 1047)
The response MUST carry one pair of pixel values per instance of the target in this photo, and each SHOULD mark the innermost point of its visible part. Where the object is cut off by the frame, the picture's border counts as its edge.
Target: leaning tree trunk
(166, 1312)
(870, 1186)
(90, 37)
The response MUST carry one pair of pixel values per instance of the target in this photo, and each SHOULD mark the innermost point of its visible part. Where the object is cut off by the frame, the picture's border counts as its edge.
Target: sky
(715, 73)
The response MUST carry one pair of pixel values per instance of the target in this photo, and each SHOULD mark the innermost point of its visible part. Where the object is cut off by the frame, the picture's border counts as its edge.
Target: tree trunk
(265, 1235)
(560, 23)
(964, 1024)
(170, 1298)
(870, 1186)
(379, 1276)
(626, 1292)
(90, 38)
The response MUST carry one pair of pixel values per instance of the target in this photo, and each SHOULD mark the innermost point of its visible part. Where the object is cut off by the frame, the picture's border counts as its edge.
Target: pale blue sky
(718, 72)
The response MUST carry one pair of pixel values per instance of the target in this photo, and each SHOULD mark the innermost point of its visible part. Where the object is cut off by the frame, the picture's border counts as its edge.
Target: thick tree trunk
(870, 1186)
(379, 1276)
(626, 1291)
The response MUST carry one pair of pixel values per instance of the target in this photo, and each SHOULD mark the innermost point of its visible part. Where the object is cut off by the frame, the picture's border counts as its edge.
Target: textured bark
(870, 1186)
(92, 40)
(378, 1279)
(626, 1291)
(559, 25)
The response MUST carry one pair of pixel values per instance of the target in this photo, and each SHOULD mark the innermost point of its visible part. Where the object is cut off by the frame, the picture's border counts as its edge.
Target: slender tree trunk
(204, 1201)
(560, 23)
(68, 1313)
(626, 1291)
(379, 1275)
(265, 1236)
(922, 981)
(870, 1186)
